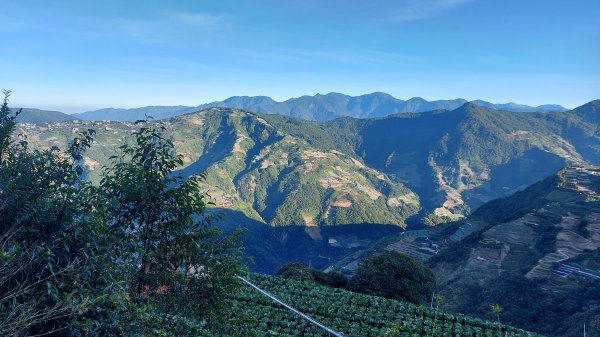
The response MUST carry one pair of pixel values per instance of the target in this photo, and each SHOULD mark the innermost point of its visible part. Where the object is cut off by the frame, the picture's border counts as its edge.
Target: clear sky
(80, 55)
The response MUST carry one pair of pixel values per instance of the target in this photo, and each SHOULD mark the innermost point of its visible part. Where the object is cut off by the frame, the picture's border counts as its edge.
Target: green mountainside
(542, 242)
(281, 170)
(254, 168)
(271, 171)
(457, 160)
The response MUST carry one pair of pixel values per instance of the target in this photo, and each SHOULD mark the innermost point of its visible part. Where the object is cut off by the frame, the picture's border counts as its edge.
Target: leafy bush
(300, 272)
(295, 271)
(133, 256)
(51, 252)
(394, 275)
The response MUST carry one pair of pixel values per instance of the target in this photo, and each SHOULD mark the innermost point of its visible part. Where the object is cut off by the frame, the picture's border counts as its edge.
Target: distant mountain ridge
(318, 107)
(37, 116)
(130, 115)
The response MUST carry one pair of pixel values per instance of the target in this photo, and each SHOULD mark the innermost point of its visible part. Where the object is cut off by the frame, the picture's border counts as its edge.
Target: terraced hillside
(541, 242)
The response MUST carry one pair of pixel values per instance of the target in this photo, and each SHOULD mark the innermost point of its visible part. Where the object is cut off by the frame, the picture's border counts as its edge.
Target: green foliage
(519, 299)
(135, 255)
(300, 272)
(394, 275)
(331, 279)
(295, 271)
(51, 265)
(496, 309)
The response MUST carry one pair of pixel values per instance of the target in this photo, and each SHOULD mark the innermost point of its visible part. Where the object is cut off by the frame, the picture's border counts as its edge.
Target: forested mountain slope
(457, 160)
(282, 170)
(270, 176)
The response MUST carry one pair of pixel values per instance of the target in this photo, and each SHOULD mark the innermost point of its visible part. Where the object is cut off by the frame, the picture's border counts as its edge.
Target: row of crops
(349, 313)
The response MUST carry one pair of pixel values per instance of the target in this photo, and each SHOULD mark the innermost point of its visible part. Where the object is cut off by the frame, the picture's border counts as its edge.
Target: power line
(306, 317)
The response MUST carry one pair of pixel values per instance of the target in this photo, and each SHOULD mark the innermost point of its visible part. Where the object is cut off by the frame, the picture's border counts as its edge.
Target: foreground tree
(49, 253)
(394, 275)
(176, 261)
(136, 256)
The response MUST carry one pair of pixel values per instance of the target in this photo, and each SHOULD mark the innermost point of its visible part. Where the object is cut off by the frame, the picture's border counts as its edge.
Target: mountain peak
(592, 105)
(378, 95)
(249, 99)
(473, 106)
(417, 99)
(589, 111)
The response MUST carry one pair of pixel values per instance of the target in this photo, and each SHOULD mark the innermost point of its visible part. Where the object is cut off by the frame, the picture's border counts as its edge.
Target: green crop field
(348, 313)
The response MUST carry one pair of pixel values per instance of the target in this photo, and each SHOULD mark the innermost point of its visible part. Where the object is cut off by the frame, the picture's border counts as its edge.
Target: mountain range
(318, 107)
(433, 166)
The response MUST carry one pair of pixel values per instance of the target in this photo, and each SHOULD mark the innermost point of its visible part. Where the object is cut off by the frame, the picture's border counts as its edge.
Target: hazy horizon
(75, 110)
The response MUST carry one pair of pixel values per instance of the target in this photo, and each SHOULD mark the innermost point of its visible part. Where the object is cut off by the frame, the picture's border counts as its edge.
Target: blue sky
(74, 56)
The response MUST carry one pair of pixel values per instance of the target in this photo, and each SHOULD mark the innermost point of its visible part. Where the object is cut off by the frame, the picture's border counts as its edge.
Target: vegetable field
(348, 313)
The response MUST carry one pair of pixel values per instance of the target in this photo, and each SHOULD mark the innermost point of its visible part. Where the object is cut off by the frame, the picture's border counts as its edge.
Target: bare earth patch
(314, 232)
(308, 220)
(402, 200)
(237, 146)
(341, 201)
(91, 163)
(196, 120)
(357, 163)
(371, 192)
